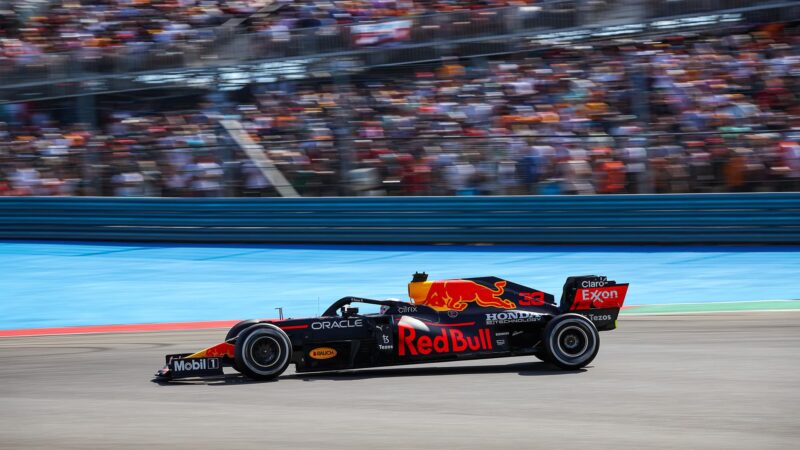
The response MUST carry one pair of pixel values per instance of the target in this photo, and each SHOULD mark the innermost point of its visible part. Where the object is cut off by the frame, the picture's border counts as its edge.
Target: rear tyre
(262, 352)
(571, 341)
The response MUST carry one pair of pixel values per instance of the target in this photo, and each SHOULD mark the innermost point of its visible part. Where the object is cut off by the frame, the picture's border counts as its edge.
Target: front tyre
(239, 327)
(262, 352)
(571, 341)
(234, 332)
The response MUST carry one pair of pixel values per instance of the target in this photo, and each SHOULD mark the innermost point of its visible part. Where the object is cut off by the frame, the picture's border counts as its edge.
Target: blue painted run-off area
(60, 284)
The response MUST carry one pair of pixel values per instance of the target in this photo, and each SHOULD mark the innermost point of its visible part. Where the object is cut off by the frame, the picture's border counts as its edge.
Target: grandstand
(398, 98)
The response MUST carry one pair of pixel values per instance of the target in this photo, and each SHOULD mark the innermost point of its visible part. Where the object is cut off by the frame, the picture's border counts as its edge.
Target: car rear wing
(592, 292)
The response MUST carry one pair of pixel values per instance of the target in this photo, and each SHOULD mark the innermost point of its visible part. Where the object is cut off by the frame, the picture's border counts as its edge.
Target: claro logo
(322, 353)
(184, 365)
(447, 341)
(594, 283)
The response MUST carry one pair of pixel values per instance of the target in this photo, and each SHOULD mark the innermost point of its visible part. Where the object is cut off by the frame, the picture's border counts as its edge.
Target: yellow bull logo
(456, 294)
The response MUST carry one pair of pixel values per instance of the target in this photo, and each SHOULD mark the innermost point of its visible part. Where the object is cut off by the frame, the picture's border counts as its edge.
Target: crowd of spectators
(70, 25)
(700, 114)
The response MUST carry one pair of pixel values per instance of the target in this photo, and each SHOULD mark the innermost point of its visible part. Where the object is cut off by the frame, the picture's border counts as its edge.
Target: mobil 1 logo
(195, 367)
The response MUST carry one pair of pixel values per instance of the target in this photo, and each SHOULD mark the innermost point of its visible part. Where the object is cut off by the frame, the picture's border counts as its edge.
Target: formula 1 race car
(447, 320)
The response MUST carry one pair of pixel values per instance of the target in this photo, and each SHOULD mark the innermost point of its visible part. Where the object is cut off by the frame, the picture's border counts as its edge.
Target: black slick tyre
(263, 351)
(234, 331)
(571, 341)
(238, 328)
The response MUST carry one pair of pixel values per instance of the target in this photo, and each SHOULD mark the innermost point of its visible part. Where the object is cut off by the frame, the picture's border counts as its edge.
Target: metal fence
(536, 164)
(698, 218)
(666, 8)
(421, 166)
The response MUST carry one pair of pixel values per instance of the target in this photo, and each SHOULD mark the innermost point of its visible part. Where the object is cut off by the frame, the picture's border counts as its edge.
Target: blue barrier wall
(695, 218)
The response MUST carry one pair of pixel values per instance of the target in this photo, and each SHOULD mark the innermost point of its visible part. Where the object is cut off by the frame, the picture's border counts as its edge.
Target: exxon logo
(598, 296)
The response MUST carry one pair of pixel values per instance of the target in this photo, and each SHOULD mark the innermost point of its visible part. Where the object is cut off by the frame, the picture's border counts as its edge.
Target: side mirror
(349, 311)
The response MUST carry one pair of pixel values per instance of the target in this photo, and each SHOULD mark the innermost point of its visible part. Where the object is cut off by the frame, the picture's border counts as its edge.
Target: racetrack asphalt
(722, 381)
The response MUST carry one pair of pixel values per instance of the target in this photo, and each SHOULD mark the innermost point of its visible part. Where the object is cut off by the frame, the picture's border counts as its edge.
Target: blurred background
(216, 98)
(380, 105)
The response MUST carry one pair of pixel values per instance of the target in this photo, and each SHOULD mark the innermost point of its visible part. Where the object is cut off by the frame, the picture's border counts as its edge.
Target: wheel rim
(265, 351)
(572, 341)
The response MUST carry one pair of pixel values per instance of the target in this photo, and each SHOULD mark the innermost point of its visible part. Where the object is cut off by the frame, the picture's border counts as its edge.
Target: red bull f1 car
(446, 320)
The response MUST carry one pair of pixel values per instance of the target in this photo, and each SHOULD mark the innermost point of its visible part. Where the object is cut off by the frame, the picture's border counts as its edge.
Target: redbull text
(448, 340)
